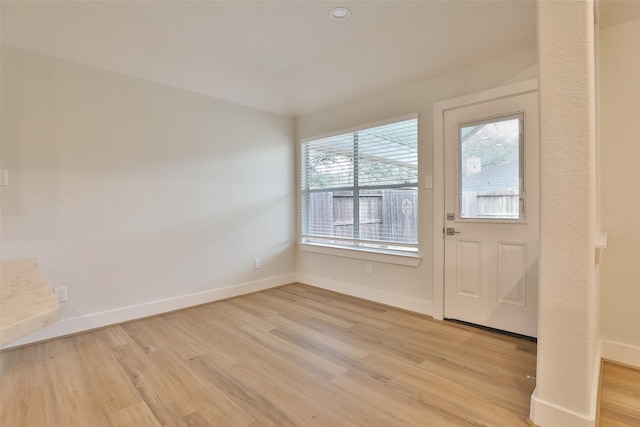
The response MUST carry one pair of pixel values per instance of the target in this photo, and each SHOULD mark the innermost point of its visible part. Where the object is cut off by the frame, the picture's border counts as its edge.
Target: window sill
(410, 260)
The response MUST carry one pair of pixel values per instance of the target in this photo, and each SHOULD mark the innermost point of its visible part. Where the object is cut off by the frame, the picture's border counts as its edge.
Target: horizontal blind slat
(387, 164)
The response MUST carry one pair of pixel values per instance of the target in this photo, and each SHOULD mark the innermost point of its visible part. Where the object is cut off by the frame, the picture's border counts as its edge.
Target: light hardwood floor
(290, 356)
(619, 395)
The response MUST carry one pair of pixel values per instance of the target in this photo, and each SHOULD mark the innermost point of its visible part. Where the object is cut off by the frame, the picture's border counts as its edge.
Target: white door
(491, 213)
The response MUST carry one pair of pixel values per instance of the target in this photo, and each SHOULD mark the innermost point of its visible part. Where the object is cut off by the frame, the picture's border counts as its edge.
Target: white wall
(138, 197)
(405, 286)
(619, 83)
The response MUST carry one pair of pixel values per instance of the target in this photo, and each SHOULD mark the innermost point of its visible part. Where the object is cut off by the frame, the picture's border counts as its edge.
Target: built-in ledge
(601, 244)
(390, 257)
(27, 302)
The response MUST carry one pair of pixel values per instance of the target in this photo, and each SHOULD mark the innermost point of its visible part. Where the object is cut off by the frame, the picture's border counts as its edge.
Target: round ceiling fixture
(340, 13)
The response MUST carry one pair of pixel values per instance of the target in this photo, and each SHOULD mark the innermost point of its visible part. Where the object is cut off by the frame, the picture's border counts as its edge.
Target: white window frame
(409, 257)
(522, 215)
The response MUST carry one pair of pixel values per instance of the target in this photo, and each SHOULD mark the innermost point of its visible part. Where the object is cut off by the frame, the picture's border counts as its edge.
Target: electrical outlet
(369, 269)
(61, 293)
(257, 263)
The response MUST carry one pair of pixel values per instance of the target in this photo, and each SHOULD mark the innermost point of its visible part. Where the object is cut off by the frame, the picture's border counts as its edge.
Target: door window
(490, 169)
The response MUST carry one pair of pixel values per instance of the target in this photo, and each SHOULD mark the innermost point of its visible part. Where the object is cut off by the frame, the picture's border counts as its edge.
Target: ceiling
(287, 57)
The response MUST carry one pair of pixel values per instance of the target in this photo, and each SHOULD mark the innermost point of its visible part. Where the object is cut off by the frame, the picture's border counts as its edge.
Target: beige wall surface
(619, 112)
(129, 192)
(410, 287)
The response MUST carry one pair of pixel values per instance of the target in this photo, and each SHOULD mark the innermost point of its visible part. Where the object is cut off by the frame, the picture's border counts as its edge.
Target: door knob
(451, 231)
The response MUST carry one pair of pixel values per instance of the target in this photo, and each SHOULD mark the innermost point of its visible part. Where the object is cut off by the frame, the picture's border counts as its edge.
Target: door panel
(469, 268)
(491, 218)
(512, 273)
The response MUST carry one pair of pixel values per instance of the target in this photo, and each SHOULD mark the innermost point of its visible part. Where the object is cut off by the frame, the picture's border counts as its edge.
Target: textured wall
(568, 314)
(129, 192)
(619, 81)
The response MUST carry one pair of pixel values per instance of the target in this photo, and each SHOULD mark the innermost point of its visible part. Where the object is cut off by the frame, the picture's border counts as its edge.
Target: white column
(568, 314)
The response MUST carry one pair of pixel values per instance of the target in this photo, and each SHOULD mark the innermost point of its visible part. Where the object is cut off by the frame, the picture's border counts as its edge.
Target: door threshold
(498, 331)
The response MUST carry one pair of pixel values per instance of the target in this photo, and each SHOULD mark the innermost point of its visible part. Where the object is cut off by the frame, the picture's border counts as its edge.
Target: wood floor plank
(289, 356)
(294, 354)
(173, 392)
(619, 395)
(333, 309)
(404, 410)
(257, 405)
(303, 308)
(339, 345)
(137, 414)
(318, 310)
(103, 372)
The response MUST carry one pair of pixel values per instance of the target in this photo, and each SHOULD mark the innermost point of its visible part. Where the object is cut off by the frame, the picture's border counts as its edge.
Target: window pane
(371, 208)
(330, 162)
(388, 154)
(360, 188)
(389, 215)
(342, 202)
(330, 214)
(490, 169)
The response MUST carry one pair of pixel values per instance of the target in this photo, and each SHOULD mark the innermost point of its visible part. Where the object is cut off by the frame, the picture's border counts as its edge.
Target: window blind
(359, 188)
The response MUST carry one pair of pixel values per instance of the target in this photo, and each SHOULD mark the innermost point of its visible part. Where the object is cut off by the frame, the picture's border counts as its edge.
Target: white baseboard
(88, 322)
(388, 298)
(547, 414)
(621, 353)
